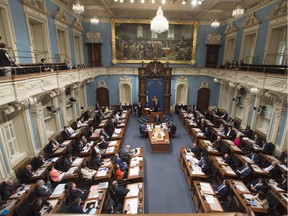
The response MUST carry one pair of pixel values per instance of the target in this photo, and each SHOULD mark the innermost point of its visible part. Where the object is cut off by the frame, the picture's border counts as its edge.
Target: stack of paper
(102, 172)
(134, 171)
(133, 202)
(103, 185)
(206, 188)
(58, 190)
(77, 162)
(117, 130)
(112, 143)
(110, 149)
(71, 171)
(210, 199)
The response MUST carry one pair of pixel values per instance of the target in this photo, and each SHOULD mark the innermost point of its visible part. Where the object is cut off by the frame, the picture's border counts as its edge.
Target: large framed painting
(133, 42)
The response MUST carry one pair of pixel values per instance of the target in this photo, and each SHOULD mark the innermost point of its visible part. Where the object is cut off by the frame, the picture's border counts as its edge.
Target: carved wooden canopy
(155, 69)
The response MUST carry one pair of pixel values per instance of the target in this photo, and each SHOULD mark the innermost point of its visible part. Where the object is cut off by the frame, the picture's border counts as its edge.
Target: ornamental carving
(37, 4)
(77, 24)
(94, 37)
(102, 84)
(279, 10)
(213, 39)
(230, 28)
(250, 21)
(61, 15)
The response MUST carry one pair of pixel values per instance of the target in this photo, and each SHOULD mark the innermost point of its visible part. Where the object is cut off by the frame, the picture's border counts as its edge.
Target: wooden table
(159, 144)
(232, 147)
(258, 172)
(191, 171)
(271, 158)
(136, 169)
(118, 134)
(281, 196)
(136, 192)
(95, 198)
(188, 124)
(208, 146)
(204, 198)
(225, 171)
(196, 135)
(153, 114)
(243, 194)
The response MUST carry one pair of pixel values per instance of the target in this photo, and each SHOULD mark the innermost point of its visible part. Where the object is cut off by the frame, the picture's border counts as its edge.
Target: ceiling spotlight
(199, 2)
(121, 1)
(183, 2)
(194, 2)
(215, 23)
(132, 1)
(142, 1)
(163, 1)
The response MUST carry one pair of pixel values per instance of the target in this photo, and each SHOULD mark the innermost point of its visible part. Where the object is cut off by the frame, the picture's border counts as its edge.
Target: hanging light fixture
(215, 23)
(238, 11)
(78, 8)
(159, 23)
(94, 20)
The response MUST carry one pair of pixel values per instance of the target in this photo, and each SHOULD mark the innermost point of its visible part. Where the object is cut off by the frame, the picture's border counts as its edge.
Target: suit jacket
(231, 134)
(66, 164)
(110, 128)
(245, 173)
(65, 134)
(273, 171)
(217, 145)
(120, 192)
(103, 133)
(222, 190)
(7, 191)
(74, 193)
(103, 144)
(255, 157)
(42, 192)
(35, 209)
(121, 164)
(37, 163)
(248, 133)
(26, 174)
(76, 209)
(229, 160)
(196, 150)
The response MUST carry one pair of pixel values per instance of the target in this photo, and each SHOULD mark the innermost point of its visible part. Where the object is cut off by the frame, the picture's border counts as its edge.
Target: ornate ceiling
(173, 9)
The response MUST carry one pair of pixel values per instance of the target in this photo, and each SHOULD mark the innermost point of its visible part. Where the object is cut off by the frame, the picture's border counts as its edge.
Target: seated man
(120, 191)
(223, 190)
(27, 173)
(218, 144)
(248, 132)
(86, 172)
(38, 162)
(258, 185)
(65, 133)
(76, 206)
(103, 133)
(102, 144)
(230, 133)
(38, 204)
(203, 159)
(10, 188)
(244, 171)
(67, 162)
(172, 128)
(77, 147)
(282, 182)
(42, 190)
(126, 154)
(254, 157)
(143, 128)
(271, 168)
(228, 159)
(207, 133)
(75, 192)
(196, 149)
(123, 165)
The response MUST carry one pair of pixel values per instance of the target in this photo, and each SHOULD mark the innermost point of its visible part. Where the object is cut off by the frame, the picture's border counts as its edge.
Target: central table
(161, 143)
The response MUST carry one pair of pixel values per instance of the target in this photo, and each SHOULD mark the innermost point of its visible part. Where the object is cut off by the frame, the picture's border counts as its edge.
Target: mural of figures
(137, 42)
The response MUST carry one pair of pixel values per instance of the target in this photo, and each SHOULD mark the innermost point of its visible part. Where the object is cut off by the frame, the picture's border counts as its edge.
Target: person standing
(6, 61)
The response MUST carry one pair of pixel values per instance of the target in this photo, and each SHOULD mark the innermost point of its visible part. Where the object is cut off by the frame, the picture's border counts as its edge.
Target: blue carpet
(166, 190)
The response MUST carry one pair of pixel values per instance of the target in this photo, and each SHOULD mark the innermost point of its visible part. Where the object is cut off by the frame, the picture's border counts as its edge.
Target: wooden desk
(204, 198)
(96, 134)
(118, 134)
(196, 135)
(188, 124)
(232, 147)
(103, 174)
(103, 123)
(242, 194)
(58, 192)
(258, 172)
(135, 198)
(281, 196)
(208, 146)
(191, 171)
(96, 198)
(159, 139)
(271, 158)
(113, 148)
(225, 171)
(9, 207)
(153, 114)
(136, 169)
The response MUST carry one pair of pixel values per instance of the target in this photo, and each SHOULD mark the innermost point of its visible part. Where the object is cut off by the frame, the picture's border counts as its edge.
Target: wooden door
(203, 99)
(94, 54)
(102, 96)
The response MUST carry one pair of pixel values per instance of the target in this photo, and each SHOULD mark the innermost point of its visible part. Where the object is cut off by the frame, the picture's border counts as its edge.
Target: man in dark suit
(65, 133)
(37, 162)
(111, 127)
(218, 144)
(245, 170)
(75, 192)
(27, 173)
(103, 144)
(203, 159)
(104, 133)
(258, 185)
(38, 205)
(156, 107)
(228, 159)
(223, 190)
(271, 168)
(76, 206)
(120, 191)
(8, 189)
(254, 157)
(268, 148)
(196, 149)
(207, 133)
(248, 132)
(230, 133)
(67, 162)
(42, 190)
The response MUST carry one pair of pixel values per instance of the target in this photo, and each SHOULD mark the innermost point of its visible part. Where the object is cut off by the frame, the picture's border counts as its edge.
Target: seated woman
(55, 175)
(119, 173)
(261, 200)
(86, 172)
(237, 140)
(38, 204)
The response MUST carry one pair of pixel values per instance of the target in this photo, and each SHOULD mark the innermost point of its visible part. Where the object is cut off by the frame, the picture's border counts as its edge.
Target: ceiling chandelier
(78, 8)
(238, 11)
(94, 20)
(159, 23)
(215, 23)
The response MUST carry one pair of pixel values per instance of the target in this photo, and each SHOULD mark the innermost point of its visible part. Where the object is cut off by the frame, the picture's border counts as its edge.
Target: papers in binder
(134, 191)
(77, 162)
(240, 187)
(248, 159)
(54, 159)
(197, 170)
(210, 199)
(206, 188)
(133, 205)
(134, 171)
(71, 171)
(248, 196)
(189, 157)
(106, 163)
(18, 194)
(58, 190)
(200, 134)
(103, 185)
(115, 135)
(102, 172)
(110, 149)
(112, 143)
(197, 129)
(117, 130)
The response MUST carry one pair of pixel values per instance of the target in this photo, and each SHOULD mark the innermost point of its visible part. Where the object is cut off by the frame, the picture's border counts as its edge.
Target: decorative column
(77, 97)
(254, 115)
(38, 117)
(247, 108)
(274, 125)
(167, 95)
(62, 103)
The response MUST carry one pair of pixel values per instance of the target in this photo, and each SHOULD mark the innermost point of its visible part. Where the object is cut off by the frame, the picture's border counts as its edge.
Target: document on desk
(134, 171)
(197, 170)
(240, 187)
(248, 196)
(207, 142)
(283, 167)
(189, 157)
(39, 172)
(106, 163)
(17, 194)
(77, 162)
(197, 129)
(93, 194)
(117, 130)
(206, 188)
(228, 170)
(71, 171)
(276, 188)
(58, 190)
(248, 159)
(110, 150)
(102, 172)
(115, 135)
(112, 143)
(133, 202)
(134, 191)
(210, 199)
